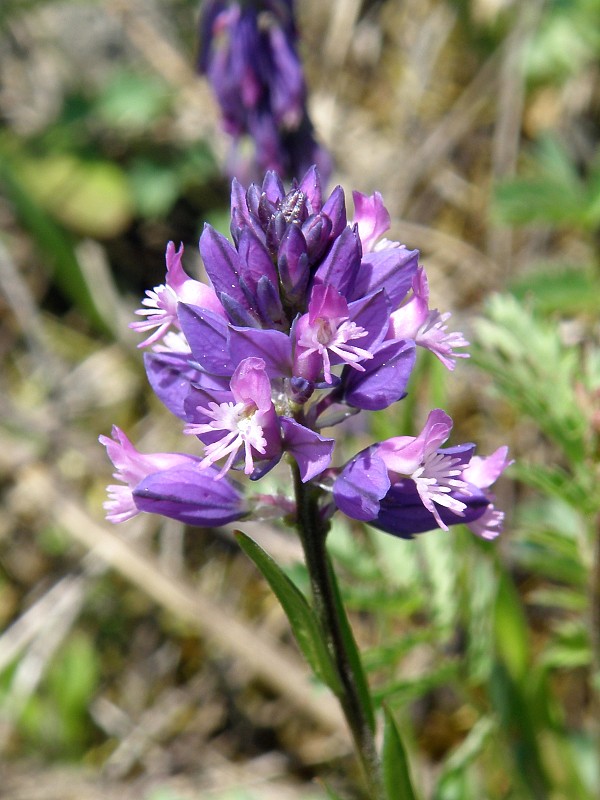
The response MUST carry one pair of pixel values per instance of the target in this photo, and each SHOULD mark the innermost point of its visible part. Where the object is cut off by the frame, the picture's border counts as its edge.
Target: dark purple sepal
(256, 260)
(268, 304)
(207, 335)
(335, 208)
(403, 514)
(361, 486)
(384, 380)
(273, 187)
(302, 390)
(317, 234)
(237, 313)
(274, 347)
(170, 376)
(190, 495)
(265, 466)
(392, 269)
(310, 185)
(292, 263)
(340, 265)
(223, 264)
(311, 450)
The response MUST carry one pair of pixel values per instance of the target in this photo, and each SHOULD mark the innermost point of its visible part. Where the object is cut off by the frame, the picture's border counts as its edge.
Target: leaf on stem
(396, 771)
(304, 623)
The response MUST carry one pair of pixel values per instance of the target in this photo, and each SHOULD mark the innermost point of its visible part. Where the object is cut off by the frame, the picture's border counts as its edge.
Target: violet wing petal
(403, 514)
(391, 269)
(311, 450)
(190, 495)
(274, 347)
(360, 487)
(384, 380)
(170, 376)
(207, 336)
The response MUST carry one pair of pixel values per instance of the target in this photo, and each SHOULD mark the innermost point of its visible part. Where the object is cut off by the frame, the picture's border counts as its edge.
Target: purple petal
(274, 347)
(190, 495)
(311, 450)
(207, 335)
(361, 486)
(384, 380)
(391, 269)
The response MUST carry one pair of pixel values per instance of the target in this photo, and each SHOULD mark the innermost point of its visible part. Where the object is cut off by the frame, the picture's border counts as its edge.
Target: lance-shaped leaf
(304, 623)
(396, 772)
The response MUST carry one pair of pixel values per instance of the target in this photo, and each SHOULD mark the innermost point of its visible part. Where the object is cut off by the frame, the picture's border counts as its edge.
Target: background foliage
(152, 660)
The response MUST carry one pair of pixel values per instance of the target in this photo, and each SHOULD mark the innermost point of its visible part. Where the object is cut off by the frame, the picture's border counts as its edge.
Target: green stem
(313, 532)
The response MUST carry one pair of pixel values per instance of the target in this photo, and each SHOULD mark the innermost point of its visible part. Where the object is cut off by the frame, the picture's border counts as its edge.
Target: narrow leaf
(396, 771)
(305, 626)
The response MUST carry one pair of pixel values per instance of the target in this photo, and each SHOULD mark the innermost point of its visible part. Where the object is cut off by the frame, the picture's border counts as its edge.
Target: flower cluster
(248, 51)
(308, 318)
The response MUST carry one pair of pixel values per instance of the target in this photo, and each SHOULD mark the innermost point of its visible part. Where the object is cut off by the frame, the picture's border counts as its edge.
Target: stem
(313, 532)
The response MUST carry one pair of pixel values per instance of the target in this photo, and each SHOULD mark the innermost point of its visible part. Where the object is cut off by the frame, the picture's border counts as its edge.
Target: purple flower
(171, 484)
(408, 484)
(414, 320)
(305, 320)
(248, 52)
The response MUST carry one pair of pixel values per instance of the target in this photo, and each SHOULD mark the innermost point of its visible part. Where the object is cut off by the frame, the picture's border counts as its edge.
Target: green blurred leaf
(155, 187)
(462, 757)
(396, 770)
(510, 625)
(92, 198)
(133, 100)
(305, 626)
(515, 717)
(533, 371)
(567, 290)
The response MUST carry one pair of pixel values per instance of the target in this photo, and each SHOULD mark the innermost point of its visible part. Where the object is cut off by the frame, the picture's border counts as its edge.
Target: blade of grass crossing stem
(396, 771)
(352, 653)
(304, 623)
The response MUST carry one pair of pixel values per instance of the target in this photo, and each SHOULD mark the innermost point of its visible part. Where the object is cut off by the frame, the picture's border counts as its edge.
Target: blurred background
(151, 661)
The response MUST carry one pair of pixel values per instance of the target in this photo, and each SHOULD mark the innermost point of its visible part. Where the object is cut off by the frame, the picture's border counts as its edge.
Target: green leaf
(463, 755)
(304, 623)
(396, 770)
(512, 636)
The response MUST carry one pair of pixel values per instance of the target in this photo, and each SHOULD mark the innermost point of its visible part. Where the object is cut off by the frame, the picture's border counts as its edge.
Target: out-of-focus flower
(248, 51)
